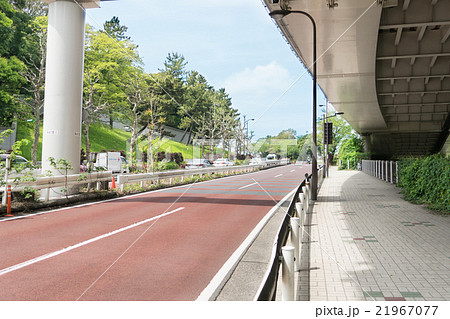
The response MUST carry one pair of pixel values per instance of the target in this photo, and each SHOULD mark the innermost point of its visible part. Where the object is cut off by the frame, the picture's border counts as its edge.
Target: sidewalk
(367, 243)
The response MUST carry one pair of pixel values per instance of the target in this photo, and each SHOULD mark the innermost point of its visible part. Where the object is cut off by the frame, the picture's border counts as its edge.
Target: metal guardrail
(267, 291)
(124, 179)
(385, 170)
(295, 217)
(49, 182)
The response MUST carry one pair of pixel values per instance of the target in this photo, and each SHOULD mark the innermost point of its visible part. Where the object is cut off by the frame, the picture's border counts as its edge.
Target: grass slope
(104, 138)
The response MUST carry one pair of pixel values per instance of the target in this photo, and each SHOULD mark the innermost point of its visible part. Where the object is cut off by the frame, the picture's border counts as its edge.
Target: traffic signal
(328, 133)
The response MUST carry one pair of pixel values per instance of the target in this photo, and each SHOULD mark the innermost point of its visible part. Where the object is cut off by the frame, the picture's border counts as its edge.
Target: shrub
(427, 180)
(164, 165)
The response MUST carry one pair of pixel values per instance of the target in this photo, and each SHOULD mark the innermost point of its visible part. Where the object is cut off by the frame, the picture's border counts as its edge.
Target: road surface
(160, 245)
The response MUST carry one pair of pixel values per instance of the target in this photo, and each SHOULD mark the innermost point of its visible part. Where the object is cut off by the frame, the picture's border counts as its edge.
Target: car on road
(198, 163)
(255, 161)
(220, 162)
(17, 159)
(125, 166)
(20, 166)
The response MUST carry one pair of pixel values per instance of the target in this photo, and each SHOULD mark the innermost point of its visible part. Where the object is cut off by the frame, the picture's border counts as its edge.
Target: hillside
(104, 138)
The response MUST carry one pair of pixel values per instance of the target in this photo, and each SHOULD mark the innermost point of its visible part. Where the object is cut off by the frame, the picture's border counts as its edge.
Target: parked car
(198, 163)
(17, 159)
(255, 161)
(125, 167)
(222, 162)
(20, 166)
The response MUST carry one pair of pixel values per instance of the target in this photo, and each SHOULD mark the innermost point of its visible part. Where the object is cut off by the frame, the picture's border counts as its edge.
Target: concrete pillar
(64, 83)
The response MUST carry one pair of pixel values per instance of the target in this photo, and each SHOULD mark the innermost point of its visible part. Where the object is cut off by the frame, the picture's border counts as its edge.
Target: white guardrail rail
(49, 182)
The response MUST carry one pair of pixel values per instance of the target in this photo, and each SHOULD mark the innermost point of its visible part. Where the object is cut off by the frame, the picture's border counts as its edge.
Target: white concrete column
(63, 84)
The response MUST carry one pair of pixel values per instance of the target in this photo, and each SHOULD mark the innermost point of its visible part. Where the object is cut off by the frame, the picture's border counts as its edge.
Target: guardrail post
(305, 199)
(295, 228)
(308, 193)
(47, 194)
(287, 274)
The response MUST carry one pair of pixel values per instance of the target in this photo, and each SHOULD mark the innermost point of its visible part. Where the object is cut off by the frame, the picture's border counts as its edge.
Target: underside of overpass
(385, 64)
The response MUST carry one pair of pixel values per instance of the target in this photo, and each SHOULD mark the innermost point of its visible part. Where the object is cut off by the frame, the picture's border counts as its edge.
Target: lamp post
(277, 15)
(246, 136)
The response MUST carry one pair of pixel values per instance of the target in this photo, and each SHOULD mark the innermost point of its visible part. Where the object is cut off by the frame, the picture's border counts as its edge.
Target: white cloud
(261, 79)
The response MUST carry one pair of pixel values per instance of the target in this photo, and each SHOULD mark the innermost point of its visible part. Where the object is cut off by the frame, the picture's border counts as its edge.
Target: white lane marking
(248, 185)
(86, 242)
(278, 175)
(293, 170)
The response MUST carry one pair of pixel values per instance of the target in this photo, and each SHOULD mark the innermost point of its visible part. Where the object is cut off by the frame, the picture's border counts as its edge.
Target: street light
(246, 126)
(277, 15)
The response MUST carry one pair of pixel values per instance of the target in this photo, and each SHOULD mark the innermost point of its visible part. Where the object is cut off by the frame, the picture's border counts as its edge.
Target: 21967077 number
(406, 310)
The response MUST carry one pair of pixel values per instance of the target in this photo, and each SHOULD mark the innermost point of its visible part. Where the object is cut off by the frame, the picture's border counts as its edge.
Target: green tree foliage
(10, 84)
(351, 150)
(115, 30)
(107, 63)
(427, 181)
(14, 26)
(115, 83)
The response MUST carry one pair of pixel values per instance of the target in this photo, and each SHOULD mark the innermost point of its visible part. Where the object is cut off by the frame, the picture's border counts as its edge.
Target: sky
(234, 44)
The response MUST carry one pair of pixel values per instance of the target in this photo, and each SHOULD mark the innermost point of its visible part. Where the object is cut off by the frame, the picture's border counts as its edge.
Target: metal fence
(385, 170)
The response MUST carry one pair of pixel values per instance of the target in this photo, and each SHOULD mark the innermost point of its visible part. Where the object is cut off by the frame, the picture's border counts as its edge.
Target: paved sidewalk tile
(367, 243)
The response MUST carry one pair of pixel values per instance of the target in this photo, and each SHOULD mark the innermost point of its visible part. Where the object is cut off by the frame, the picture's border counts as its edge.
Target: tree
(351, 150)
(13, 27)
(196, 103)
(35, 76)
(175, 65)
(107, 62)
(33, 8)
(154, 119)
(10, 83)
(114, 29)
(136, 90)
(174, 87)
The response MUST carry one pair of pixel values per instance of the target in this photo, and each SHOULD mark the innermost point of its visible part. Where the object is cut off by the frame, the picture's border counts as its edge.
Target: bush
(164, 165)
(427, 180)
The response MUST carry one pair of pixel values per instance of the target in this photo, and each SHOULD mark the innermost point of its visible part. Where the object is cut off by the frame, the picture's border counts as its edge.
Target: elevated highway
(384, 63)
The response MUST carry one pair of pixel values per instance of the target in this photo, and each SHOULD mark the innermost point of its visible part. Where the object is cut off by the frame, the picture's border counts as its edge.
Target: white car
(198, 163)
(255, 161)
(220, 162)
(17, 159)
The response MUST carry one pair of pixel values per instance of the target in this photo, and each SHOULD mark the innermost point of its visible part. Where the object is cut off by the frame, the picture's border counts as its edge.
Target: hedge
(427, 181)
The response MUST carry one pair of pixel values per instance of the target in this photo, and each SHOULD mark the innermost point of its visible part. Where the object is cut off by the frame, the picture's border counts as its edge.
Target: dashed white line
(248, 185)
(86, 242)
(293, 170)
(278, 175)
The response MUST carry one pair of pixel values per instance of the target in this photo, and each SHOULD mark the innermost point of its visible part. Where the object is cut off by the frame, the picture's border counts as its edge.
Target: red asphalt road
(173, 257)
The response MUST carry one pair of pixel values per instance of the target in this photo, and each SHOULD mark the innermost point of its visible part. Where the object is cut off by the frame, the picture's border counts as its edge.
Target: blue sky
(234, 44)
